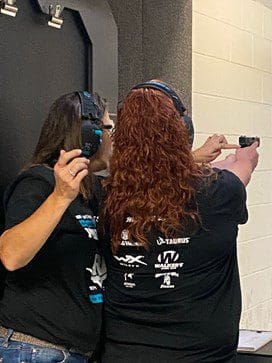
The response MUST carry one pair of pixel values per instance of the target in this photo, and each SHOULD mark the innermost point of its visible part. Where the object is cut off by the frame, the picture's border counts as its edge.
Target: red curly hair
(153, 175)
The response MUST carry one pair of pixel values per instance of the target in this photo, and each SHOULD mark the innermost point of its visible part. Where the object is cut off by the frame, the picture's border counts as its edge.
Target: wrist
(245, 163)
(59, 201)
(198, 156)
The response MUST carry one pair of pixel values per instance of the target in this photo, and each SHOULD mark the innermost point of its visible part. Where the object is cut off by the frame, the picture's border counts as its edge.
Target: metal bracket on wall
(55, 20)
(8, 7)
(102, 30)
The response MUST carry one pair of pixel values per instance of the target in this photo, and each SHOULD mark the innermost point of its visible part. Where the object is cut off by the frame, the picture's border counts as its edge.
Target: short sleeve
(227, 196)
(25, 199)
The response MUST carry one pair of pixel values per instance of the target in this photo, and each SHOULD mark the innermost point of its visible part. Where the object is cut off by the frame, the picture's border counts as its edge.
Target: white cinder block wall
(232, 94)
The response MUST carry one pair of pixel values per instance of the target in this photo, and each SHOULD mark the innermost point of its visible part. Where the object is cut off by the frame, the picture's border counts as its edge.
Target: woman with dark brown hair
(172, 293)
(50, 310)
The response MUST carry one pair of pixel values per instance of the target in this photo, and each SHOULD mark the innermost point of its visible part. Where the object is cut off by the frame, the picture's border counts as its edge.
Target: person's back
(171, 295)
(183, 294)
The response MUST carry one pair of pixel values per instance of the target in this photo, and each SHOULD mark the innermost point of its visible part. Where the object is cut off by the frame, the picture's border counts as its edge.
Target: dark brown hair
(62, 130)
(153, 175)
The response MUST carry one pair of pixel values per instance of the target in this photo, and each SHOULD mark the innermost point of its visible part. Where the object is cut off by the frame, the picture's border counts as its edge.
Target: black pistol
(245, 141)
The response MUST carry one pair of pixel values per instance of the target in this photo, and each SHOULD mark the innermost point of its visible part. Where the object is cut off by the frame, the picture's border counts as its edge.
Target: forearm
(21, 243)
(242, 164)
(223, 164)
(242, 169)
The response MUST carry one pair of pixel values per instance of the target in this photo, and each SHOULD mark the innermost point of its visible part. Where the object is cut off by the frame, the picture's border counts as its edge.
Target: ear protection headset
(168, 91)
(91, 129)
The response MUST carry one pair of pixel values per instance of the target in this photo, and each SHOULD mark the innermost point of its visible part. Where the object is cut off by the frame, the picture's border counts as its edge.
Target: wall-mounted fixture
(8, 7)
(55, 20)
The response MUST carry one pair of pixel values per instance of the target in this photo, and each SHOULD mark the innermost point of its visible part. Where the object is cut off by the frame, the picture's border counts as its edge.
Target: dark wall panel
(155, 41)
(38, 64)
(167, 43)
(128, 16)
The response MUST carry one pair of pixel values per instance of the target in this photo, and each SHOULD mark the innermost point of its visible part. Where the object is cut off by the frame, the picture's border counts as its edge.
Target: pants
(16, 352)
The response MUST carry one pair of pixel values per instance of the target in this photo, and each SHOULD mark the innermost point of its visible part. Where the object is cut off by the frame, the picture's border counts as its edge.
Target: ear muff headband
(91, 129)
(168, 91)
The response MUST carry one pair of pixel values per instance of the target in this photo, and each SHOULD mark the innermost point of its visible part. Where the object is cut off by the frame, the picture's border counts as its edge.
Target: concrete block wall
(151, 45)
(128, 17)
(232, 94)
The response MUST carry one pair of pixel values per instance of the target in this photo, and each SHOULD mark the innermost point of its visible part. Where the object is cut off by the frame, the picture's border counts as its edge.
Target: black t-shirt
(183, 294)
(58, 296)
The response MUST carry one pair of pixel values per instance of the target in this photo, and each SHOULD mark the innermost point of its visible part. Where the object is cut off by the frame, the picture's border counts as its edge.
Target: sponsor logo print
(172, 241)
(98, 272)
(96, 298)
(125, 239)
(125, 235)
(130, 261)
(130, 243)
(129, 277)
(89, 224)
(168, 260)
(167, 282)
(92, 233)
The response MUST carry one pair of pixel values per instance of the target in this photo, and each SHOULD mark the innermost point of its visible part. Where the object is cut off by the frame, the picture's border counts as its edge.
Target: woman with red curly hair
(173, 292)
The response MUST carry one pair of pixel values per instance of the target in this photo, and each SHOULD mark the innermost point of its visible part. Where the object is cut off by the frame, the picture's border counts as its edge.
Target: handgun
(245, 141)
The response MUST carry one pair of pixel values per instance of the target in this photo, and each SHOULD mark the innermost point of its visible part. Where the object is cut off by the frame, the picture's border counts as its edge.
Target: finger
(227, 146)
(214, 156)
(73, 171)
(67, 156)
(81, 175)
(254, 145)
(78, 160)
(62, 152)
(217, 148)
(222, 139)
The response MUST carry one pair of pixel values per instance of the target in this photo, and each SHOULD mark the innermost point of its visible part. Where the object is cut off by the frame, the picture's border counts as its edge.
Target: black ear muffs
(91, 129)
(190, 127)
(168, 91)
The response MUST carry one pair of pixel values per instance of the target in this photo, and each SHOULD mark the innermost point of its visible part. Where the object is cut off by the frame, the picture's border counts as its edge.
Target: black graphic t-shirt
(58, 296)
(182, 296)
